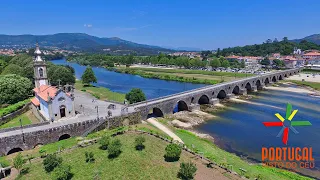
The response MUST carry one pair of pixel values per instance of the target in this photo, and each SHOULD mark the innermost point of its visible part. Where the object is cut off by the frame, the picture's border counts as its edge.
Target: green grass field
(131, 164)
(100, 92)
(16, 123)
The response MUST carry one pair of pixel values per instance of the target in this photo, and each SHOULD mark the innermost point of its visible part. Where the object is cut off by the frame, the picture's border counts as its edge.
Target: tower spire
(40, 69)
(37, 53)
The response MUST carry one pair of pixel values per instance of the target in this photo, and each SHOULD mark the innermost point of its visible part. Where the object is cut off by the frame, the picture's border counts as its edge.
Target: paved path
(163, 128)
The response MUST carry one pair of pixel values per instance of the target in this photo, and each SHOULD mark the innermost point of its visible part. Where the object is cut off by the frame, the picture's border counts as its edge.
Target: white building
(50, 103)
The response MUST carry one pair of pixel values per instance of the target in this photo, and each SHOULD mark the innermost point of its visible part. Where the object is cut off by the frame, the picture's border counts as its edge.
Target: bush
(89, 157)
(13, 107)
(187, 171)
(14, 88)
(173, 152)
(139, 143)
(18, 162)
(114, 148)
(51, 162)
(104, 142)
(62, 172)
(135, 95)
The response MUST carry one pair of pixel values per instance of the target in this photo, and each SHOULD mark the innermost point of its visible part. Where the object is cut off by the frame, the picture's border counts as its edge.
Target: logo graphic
(287, 123)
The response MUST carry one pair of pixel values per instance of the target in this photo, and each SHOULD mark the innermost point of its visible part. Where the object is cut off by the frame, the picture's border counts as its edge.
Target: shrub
(62, 172)
(114, 148)
(89, 157)
(173, 152)
(139, 142)
(14, 107)
(187, 171)
(51, 162)
(104, 142)
(42, 153)
(18, 162)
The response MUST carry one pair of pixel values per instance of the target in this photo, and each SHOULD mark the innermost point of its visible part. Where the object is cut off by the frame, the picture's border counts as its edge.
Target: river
(123, 83)
(239, 127)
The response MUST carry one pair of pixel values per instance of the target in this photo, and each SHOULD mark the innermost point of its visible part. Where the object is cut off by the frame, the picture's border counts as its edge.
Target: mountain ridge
(81, 42)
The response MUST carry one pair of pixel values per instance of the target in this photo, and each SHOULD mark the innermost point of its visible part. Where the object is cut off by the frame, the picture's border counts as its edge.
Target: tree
(215, 63)
(278, 63)
(285, 39)
(275, 40)
(265, 62)
(225, 64)
(242, 64)
(104, 142)
(114, 148)
(60, 75)
(13, 69)
(135, 95)
(51, 162)
(62, 172)
(89, 156)
(88, 76)
(14, 88)
(187, 171)
(18, 162)
(139, 142)
(173, 152)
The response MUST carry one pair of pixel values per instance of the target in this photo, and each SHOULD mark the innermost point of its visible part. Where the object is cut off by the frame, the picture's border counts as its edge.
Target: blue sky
(176, 23)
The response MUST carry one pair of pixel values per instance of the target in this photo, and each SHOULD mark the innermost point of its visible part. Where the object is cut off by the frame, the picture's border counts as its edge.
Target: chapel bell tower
(40, 69)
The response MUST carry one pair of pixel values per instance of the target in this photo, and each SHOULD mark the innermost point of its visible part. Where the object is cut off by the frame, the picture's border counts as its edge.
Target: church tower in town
(40, 69)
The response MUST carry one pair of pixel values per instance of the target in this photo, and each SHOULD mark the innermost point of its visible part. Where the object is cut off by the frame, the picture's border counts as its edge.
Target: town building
(50, 103)
(313, 54)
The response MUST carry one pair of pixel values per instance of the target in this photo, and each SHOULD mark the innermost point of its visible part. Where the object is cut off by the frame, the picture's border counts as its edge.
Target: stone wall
(29, 140)
(12, 115)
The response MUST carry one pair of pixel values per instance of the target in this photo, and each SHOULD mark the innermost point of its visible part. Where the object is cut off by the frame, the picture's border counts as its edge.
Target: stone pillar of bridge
(214, 101)
(254, 88)
(193, 107)
(243, 92)
(229, 96)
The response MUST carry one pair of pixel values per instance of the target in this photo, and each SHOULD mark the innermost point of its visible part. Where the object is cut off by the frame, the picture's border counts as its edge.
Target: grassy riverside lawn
(100, 92)
(131, 164)
(16, 123)
(183, 75)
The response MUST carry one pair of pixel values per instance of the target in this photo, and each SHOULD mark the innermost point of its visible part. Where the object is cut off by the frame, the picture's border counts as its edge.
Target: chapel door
(62, 111)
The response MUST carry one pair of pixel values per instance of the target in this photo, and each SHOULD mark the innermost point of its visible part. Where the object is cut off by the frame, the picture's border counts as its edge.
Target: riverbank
(101, 93)
(182, 75)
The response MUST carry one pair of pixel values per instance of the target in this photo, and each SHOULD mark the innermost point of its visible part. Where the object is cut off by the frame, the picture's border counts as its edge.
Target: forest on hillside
(284, 47)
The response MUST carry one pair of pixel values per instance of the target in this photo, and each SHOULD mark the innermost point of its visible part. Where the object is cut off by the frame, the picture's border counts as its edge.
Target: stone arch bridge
(189, 100)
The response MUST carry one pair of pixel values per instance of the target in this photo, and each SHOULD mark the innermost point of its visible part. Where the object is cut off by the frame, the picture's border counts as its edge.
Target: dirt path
(163, 128)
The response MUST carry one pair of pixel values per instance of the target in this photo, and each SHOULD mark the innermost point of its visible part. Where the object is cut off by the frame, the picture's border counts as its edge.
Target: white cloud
(87, 25)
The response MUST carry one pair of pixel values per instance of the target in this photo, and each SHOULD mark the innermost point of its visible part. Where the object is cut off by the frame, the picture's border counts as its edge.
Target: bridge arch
(14, 150)
(290, 74)
(258, 84)
(285, 75)
(64, 136)
(274, 79)
(155, 112)
(248, 86)
(266, 81)
(222, 94)
(204, 99)
(236, 90)
(180, 106)
(280, 77)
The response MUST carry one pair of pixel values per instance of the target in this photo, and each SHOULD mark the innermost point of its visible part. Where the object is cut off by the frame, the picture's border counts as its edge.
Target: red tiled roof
(44, 90)
(312, 54)
(35, 101)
